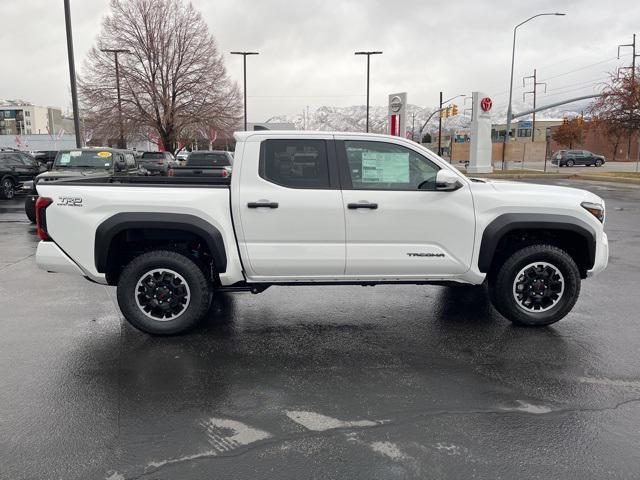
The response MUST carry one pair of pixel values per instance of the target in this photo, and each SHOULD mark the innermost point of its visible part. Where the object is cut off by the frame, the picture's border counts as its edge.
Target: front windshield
(83, 159)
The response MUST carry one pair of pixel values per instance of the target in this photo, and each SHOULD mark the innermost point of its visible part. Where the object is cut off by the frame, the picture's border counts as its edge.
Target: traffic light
(454, 110)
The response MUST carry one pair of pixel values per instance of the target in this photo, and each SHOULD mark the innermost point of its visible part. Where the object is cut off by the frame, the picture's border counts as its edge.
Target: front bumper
(602, 257)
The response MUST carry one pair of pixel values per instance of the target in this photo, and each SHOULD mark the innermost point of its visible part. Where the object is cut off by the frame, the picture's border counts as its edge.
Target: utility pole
(121, 141)
(244, 88)
(72, 73)
(534, 92)
(368, 54)
(633, 81)
(440, 127)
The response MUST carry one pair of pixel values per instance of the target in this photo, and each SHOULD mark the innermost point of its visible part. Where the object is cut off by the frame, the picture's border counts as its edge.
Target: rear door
(588, 157)
(290, 208)
(22, 168)
(397, 224)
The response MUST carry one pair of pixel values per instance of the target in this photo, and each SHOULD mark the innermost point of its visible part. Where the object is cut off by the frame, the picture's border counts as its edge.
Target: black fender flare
(120, 222)
(509, 222)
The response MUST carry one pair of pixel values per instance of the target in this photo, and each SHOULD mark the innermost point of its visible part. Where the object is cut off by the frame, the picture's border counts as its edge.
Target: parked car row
(85, 163)
(22, 171)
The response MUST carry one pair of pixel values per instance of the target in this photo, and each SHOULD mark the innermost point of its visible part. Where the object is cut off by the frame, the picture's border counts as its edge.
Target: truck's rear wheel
(163, 293)
(537, 285)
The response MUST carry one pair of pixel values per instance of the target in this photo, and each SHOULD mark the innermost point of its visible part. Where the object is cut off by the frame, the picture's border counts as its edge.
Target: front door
(397, 224)
(290, 209)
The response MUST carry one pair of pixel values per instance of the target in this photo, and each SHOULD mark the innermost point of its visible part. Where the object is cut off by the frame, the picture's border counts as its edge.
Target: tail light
(41, 217)
(225, 172)
(171, 173)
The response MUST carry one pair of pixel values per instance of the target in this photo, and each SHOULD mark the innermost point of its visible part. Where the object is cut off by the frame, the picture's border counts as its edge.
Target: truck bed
(222, 182)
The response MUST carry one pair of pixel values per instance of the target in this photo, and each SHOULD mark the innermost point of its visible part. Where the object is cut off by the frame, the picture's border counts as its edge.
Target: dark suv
(570, 158)
(83, 162)
(15, 168)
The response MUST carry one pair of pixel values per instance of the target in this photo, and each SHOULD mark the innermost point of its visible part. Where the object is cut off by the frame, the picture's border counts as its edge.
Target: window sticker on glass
(385, 167)
(104, 154)
(65, 158)
(76, 153)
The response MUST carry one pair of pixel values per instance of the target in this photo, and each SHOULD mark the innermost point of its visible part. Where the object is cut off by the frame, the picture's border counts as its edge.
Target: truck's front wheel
(537, 285)
(163, 292)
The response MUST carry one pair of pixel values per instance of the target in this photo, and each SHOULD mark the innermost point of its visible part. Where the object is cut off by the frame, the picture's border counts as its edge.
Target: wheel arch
(572, 234)
(157, 226)
(11, 177)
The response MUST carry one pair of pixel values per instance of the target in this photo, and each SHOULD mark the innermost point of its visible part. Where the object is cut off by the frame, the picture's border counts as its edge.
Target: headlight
(595, 209)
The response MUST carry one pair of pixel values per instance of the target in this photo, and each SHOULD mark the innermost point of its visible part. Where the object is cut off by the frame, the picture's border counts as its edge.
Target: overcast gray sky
(307, 48)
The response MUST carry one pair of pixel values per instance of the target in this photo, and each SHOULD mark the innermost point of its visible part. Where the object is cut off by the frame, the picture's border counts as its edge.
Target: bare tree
(569, 133)
(173, 80)
(618, 108)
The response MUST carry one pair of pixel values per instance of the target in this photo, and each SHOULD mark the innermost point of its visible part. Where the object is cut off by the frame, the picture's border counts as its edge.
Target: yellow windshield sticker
(104, 154)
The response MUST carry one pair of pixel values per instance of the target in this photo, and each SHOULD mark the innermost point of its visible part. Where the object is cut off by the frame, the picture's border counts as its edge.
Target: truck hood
(508, 188)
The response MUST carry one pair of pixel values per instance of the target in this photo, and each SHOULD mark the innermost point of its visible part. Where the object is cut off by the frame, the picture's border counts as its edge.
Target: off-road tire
(503, 284)
(191, 273)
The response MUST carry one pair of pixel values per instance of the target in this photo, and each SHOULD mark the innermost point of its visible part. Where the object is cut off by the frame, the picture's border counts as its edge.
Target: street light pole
(121, 141)
(368, 54)
(72, 73)
(440, 127)
(513, 57)
(244, 73)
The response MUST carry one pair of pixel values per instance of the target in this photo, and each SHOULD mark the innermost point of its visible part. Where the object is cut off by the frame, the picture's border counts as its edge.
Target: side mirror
(119, 165)
(49, 164)
(447, 181)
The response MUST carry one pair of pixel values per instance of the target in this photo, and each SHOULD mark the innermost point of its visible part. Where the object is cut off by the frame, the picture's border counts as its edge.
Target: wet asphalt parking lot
(320, 382)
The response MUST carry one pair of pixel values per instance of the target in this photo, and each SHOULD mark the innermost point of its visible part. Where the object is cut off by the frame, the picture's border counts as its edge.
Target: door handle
(370, 206)
(262, 204)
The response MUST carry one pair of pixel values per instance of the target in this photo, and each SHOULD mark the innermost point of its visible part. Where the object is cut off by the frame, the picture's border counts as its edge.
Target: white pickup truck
(321, 208)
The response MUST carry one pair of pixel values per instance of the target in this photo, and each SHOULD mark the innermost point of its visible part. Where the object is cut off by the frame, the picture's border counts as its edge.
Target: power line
(581, 68)
(584, 67)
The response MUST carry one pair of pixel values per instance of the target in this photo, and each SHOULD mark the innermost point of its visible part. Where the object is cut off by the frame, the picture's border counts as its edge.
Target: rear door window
(295, 163)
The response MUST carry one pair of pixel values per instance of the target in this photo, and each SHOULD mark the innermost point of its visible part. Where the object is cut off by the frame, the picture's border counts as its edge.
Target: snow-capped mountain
(353, 118)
